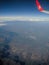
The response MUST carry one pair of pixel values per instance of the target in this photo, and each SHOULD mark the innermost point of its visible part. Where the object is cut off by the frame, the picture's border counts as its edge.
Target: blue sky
(26, 8)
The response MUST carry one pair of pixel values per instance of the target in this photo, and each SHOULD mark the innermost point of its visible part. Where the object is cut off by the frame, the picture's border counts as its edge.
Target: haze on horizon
(25, 10)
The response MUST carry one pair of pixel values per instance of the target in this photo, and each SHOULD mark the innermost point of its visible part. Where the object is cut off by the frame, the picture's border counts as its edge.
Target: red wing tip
(41, 9)
(39, 6)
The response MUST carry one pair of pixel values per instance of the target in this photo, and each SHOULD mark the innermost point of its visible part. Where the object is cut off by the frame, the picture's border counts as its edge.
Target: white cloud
(22, 18)
(33, 37)
(3, 24)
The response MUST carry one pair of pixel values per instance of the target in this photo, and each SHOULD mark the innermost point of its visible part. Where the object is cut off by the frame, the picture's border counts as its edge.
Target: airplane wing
(40, 7)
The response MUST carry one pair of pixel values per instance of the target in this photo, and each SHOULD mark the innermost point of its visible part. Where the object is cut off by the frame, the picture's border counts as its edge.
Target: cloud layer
(22, 18)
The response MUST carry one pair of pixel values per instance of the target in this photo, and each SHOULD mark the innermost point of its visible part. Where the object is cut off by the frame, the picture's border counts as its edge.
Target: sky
(24, 9)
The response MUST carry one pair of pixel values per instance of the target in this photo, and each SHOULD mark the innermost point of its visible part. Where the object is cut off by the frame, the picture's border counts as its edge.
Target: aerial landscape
(24, 33)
